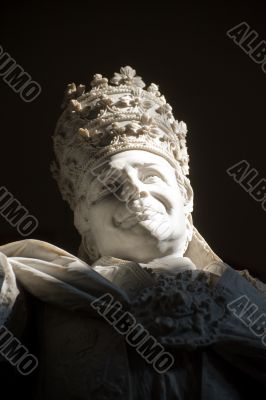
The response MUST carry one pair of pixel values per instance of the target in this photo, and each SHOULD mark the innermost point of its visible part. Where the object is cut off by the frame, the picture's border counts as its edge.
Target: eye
(151, 178)
(112, 185)
(110, 180)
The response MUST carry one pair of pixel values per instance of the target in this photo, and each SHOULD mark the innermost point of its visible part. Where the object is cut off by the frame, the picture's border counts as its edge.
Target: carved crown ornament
(115, 115)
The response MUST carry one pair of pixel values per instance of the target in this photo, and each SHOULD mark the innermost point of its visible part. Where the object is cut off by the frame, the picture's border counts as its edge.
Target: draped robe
(81, 356)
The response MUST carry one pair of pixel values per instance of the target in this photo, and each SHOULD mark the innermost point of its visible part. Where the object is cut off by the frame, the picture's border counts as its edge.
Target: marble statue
(121, 162)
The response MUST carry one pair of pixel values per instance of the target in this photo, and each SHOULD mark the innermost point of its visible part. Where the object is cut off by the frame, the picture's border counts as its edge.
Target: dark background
(209, 81)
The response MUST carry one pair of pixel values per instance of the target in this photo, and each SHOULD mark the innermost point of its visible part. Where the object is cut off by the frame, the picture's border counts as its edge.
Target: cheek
(171, 196)
(178, 211)
(164, 194)
(100, 215)
(98, 225)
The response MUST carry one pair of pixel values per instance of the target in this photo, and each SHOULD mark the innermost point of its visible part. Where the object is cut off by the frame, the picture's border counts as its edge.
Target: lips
(125, 220)
(146, 204)
(136, 211)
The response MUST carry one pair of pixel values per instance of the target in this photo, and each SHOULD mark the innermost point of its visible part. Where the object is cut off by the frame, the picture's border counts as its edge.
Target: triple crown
(119, 115)
(114, 116)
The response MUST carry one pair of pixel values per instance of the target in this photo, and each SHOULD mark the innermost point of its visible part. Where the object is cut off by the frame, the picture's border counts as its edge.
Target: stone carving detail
(182, 310)
(114, 115)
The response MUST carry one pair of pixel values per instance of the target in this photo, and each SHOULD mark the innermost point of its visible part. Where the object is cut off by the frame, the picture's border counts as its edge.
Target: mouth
(137, 211)
(126, 223)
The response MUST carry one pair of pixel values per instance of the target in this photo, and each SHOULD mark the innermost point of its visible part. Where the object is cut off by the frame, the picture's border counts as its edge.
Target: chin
(139, 258)
(142, 250)
(134, 244)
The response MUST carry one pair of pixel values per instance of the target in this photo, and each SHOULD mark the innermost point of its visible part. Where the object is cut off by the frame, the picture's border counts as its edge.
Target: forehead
(139, 158)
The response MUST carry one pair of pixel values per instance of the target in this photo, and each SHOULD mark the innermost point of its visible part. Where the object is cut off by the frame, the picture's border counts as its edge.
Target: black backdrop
(210, 82)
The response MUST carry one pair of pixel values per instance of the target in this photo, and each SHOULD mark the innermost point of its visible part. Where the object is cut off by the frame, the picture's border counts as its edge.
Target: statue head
(122, 165)
(139, 211)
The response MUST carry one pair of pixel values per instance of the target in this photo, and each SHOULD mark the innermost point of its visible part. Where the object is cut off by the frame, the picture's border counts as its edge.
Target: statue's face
(138, 213)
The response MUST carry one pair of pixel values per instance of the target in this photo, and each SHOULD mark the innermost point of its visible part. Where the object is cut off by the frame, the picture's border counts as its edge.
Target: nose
(133, 188)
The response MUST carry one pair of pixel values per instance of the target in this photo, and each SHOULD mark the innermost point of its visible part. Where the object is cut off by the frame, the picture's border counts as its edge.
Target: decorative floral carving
(105, 100)
(80, 90)
(182, 309)
(136, 99)
(71, 88)
(76, 106)
(180, 128)
(95, 137)
(183, 127)
(165, 109)
(133, 128)
(116, 129)
(127, 76)
(154, 89)
(146, 126)
(98, 109)
(149, 127)
(98, 80)
(84, 132)
(72, 92)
